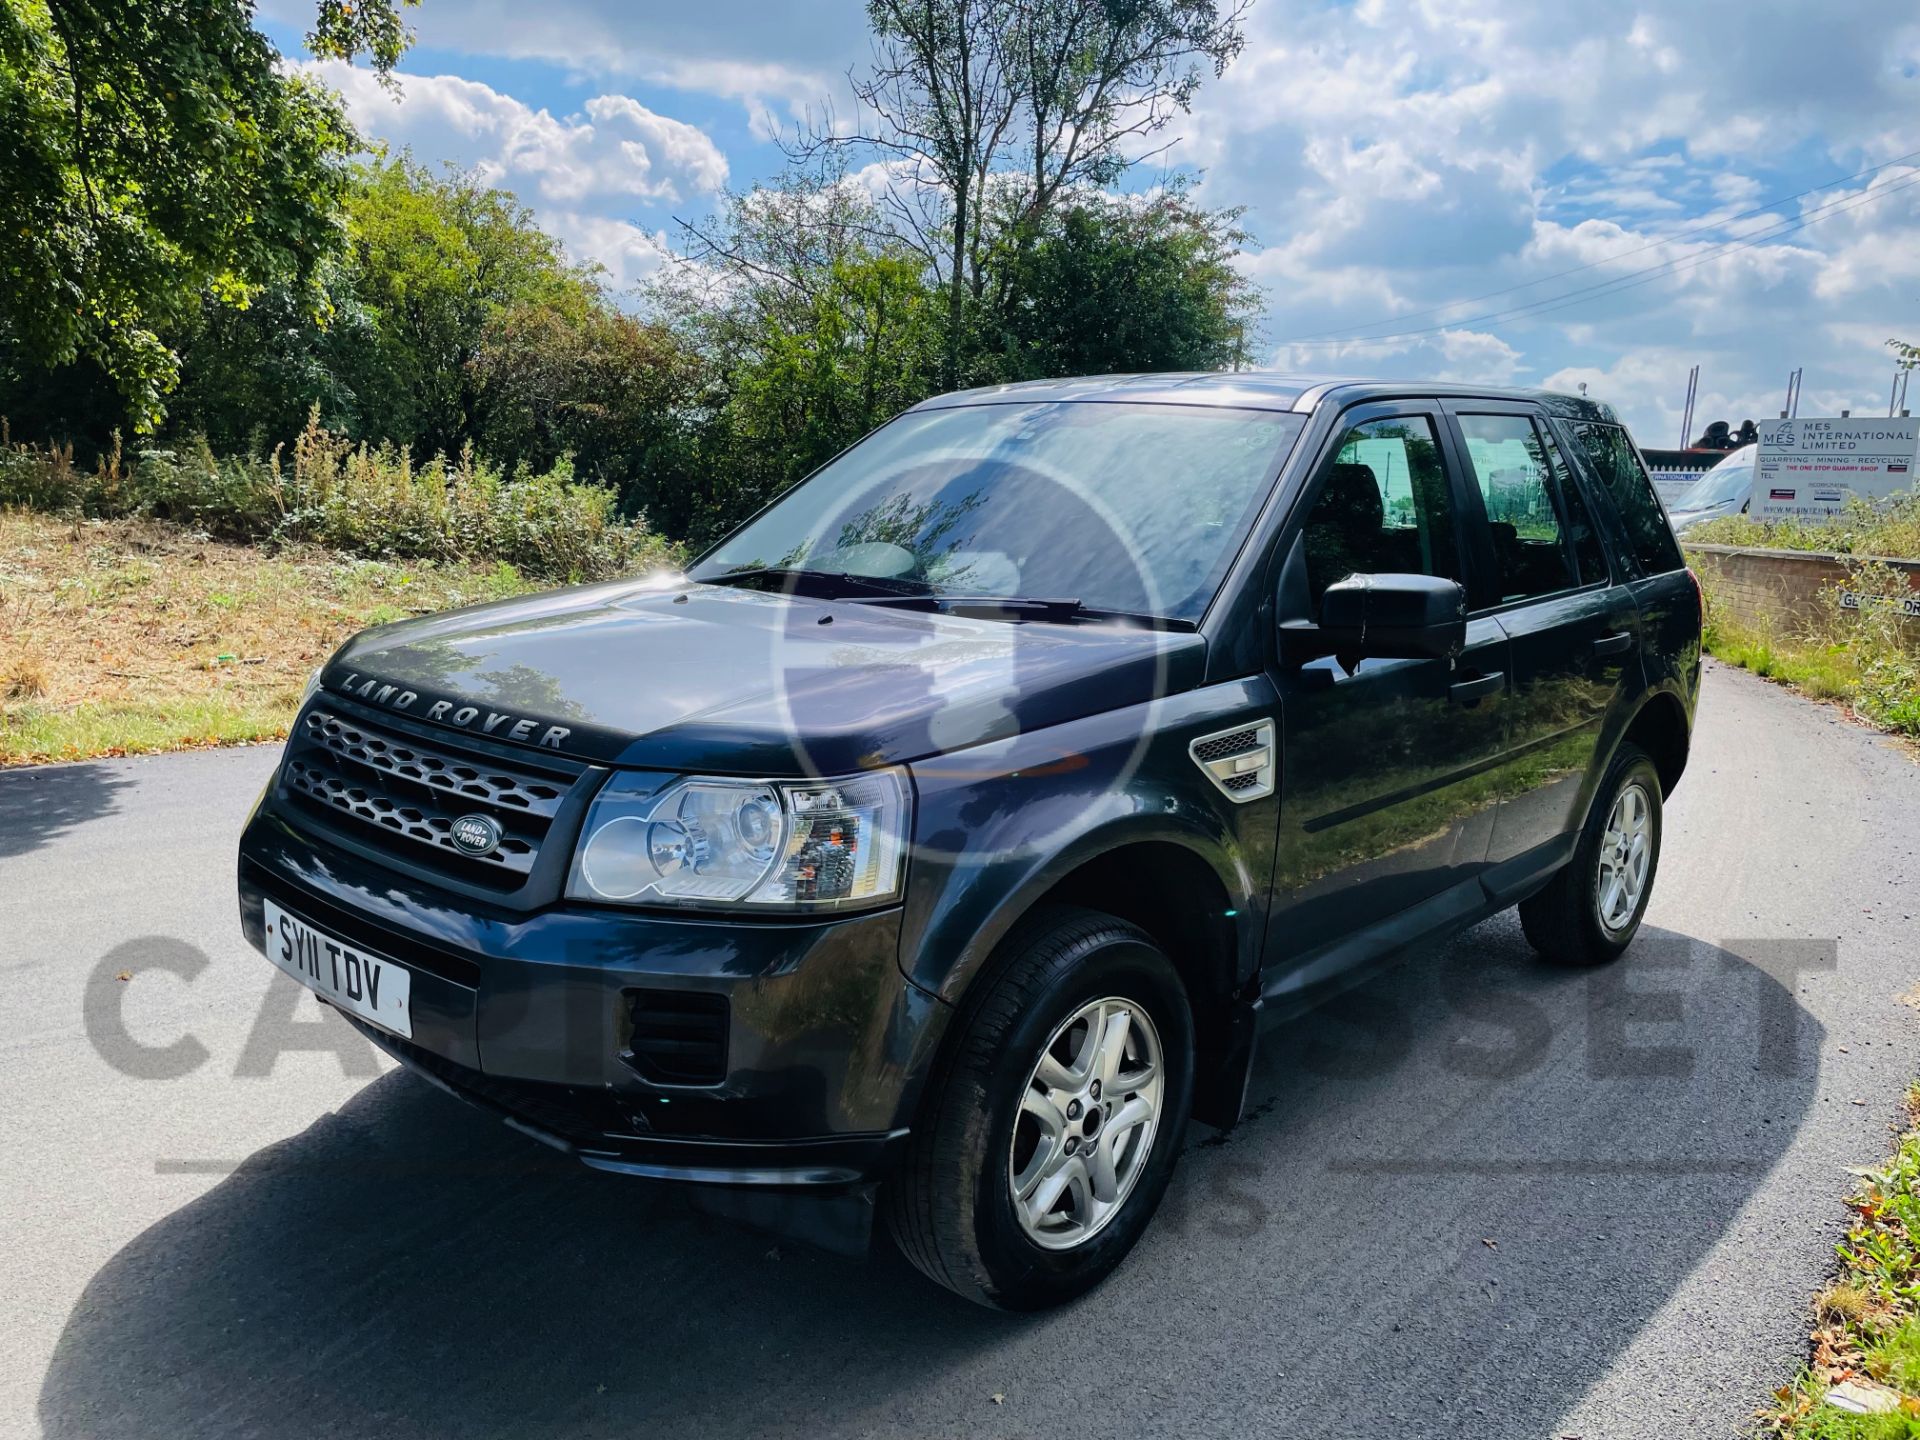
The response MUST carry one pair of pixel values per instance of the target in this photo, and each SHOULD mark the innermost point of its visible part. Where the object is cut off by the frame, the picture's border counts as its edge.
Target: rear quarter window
(1614, 462)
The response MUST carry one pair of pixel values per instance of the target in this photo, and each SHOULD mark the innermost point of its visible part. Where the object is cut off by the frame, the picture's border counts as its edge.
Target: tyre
(1589, 913)
(1055, 1116)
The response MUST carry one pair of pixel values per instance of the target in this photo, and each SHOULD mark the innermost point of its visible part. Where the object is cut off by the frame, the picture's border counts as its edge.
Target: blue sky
(1396, 158)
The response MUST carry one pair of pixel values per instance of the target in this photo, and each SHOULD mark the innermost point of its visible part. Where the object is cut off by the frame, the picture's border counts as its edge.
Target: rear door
(1664, 593)
(1570, 621)
(1385, 801)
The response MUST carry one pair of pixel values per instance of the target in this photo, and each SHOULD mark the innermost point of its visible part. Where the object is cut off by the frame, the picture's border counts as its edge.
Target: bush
(1889, 526)
(357, 499)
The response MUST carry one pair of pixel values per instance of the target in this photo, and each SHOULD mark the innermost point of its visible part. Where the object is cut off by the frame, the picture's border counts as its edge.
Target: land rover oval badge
(475, 834)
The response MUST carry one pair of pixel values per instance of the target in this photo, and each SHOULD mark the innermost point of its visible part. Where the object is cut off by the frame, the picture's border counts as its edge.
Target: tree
(249, 378)
(557, 379)
(1099, 76)
(1118, 283)
(1072, 87)
(944, 87)
(153, 152)
(435, 260)
(813, 325)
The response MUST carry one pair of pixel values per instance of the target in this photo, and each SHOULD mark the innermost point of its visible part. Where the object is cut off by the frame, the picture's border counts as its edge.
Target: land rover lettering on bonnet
(454, 712)
(945, 839)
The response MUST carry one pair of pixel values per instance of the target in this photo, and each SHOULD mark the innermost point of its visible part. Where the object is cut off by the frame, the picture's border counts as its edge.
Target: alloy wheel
(1626, 857)
(1088, 1119)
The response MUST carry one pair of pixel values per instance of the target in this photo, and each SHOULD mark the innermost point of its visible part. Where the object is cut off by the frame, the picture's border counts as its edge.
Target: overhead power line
(1633, 279)
(1718, 223)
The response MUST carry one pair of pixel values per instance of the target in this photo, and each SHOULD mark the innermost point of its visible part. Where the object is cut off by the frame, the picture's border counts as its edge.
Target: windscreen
(1731, 479)
(1127, 507)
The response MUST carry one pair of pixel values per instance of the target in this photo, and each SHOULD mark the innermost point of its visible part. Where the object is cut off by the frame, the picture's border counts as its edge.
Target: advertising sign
(1809, 467)
(1672, 483)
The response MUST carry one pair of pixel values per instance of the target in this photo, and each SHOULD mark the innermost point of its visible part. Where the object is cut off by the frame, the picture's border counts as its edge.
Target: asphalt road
(1479, 1197)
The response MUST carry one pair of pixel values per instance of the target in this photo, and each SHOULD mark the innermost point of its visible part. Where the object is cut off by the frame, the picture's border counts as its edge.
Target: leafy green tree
(249, 378)
(153, 152)
(435, 260)
(448, 318)
(579, 378)
(1121, 283)
(813, 324)
(969, 101)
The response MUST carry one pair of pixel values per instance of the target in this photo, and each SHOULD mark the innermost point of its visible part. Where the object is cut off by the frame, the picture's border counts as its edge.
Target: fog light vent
(678, 1037)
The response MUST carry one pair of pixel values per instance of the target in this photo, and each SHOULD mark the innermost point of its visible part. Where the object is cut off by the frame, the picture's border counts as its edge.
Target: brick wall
(1778, 587)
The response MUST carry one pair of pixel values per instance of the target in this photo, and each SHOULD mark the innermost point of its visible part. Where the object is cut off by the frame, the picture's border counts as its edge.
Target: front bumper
(831, 1162)
(532, 1016)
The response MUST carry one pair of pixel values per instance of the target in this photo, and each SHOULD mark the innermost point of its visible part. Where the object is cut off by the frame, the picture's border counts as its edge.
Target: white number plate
(371, 986)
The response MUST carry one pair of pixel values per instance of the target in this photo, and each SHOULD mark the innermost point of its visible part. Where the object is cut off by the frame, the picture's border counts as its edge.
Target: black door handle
(1466, 692)
(1613, 644)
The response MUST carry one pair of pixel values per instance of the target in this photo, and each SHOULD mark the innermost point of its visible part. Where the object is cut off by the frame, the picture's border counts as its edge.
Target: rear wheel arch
(1660, 728)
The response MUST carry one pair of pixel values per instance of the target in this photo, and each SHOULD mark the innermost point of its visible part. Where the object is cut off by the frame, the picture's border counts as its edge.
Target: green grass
(130, 636)
(1830, 1424)
(1867, 1325)
(1862, 659)
(45, 732)
(1897, 1356)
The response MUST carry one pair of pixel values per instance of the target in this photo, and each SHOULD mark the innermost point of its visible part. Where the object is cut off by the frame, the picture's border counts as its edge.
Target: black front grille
(408, 760)
(383, 784)
(679, 1037)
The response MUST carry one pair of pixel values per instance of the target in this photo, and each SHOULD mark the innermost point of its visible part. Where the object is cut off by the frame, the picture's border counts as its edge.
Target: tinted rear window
(1616, 464)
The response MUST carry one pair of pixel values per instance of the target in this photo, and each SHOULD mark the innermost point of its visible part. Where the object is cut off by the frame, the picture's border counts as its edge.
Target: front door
(1385, 796)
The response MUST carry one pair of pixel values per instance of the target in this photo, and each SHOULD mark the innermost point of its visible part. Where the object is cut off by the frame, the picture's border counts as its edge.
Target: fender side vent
(1239, 762)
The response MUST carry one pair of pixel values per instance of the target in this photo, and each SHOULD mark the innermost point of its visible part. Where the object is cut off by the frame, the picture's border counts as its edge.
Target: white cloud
(617, 149)
(584, 174)
(777, 60)
(628, 252)
(773, 94)
(1394, 155)
(1398, 155)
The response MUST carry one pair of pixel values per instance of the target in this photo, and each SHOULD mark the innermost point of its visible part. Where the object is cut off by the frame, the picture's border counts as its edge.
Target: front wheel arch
(1211, 935)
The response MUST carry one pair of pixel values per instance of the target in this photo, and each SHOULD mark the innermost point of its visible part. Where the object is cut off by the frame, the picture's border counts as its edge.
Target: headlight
(745, 844)
(313, 682)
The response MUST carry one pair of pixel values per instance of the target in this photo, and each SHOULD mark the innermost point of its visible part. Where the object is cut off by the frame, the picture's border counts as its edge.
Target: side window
(1616, 464)
(1588, 552)
(1510, 466)
(1383, 507)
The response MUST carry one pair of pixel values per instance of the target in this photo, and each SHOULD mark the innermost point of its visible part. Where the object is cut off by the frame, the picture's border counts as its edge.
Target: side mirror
(1386, 617)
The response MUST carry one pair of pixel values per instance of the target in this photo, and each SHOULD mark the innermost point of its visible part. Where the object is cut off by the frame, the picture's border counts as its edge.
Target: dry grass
(24, 676)
(1846, 1303)
(124, 636)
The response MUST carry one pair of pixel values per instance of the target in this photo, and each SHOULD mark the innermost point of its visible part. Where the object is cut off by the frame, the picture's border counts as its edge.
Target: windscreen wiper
(892, 592)
(828, 582)
(1032, 607)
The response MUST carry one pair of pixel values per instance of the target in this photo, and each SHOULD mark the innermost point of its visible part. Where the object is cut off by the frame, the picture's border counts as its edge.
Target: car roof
(1256, 390)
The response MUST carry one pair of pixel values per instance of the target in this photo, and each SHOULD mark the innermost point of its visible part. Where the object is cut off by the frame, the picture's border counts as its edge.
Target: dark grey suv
(939, 843)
